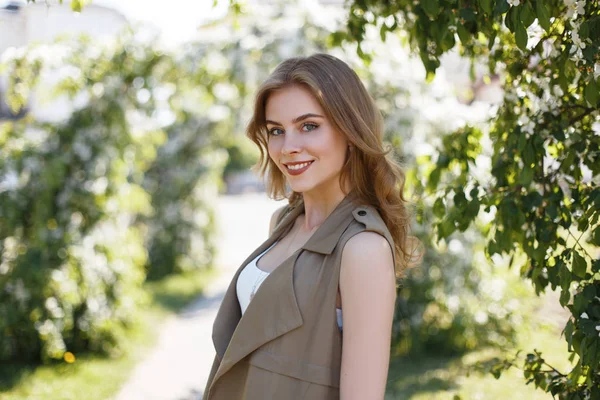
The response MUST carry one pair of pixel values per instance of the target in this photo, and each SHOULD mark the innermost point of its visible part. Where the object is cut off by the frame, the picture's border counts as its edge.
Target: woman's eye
(306, 127)
(273, 131)
(312, 126)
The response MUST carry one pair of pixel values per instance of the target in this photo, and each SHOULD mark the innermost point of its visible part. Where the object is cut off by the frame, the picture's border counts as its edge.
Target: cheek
(336, 147)
(274, 148)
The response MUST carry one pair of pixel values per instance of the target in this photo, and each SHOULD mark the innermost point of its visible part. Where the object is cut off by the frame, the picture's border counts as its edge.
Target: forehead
(285, 104)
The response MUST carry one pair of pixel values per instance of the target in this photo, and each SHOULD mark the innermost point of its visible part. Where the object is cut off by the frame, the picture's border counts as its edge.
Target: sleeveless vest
(287, 345)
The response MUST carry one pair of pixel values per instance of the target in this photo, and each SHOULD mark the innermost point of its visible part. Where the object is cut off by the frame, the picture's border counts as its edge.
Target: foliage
(94, 377)
(541, 185)
(241, 157)
(71, 265)
(458, 304)
(83, 201)
(182, 183)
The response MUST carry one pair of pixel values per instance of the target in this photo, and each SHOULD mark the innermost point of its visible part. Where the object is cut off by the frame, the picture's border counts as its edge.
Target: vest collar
(325, 238)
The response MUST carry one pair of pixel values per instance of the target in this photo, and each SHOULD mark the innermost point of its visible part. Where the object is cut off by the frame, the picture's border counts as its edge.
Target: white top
(252, 277)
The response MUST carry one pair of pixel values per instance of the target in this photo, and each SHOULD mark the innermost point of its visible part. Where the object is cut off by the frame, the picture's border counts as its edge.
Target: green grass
(93, 377)
(436, 378)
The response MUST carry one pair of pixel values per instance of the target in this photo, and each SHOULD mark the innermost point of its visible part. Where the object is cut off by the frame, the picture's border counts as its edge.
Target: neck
(318, 206)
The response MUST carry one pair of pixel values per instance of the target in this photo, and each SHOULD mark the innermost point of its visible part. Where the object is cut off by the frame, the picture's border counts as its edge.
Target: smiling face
(302, 141)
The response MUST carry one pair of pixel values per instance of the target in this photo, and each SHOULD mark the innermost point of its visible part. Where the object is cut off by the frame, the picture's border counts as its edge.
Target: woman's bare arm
(368, 290)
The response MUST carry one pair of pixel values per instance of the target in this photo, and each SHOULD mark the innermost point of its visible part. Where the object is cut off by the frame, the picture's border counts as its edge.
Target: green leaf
(543, 15)
(568, 332)
(591, 93)
(472, 70)
(486, 5)
(511, 18)
(521, 36)
(467, 14)
(383, 32)
(460, 201)
(565, 284)
(596, 266)
(439, 209)
(522, 142)
(584, 30)
(463, 34)
(76, 5)
(446, 228)
(528, 154)
(448, 41)
(502, 6)
(492, 39)
(526, 14)
(526, 176)
(336, 38)
(434, 179)
(431, 7)
(579, 265)
(595, 237)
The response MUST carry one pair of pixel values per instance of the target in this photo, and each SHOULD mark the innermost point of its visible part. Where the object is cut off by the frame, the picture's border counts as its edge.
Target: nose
(292, 143)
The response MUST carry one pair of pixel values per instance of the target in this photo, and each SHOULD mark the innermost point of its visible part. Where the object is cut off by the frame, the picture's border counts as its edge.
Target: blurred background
(127, 200)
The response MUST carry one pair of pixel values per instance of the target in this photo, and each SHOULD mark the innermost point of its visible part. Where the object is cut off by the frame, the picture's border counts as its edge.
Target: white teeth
(298, 166)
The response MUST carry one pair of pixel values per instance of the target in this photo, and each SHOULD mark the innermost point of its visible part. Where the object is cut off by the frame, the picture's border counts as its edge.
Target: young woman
(320, 325)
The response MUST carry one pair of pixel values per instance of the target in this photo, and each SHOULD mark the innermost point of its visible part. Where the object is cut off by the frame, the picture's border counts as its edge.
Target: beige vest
(287, 345)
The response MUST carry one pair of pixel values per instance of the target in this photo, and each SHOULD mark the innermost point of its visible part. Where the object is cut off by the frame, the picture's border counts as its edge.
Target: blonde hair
(377, 178)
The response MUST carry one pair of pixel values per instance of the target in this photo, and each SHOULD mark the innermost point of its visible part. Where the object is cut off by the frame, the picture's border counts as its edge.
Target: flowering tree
(119, 189)
(541, 184)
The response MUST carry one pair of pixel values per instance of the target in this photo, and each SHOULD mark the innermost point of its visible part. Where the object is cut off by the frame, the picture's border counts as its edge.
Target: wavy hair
(377, 178)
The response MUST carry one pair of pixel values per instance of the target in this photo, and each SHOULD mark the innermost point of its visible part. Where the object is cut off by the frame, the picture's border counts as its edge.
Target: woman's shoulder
(370, 236)
(367, 245)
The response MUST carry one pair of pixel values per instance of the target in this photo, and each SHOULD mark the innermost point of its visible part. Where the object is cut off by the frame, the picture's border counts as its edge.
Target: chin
(305, 187)
(301, 188)
(312, 185)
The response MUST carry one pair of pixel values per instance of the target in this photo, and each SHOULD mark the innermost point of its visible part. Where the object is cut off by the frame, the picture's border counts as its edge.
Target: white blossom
(584, 316)
(480, 316)
(580, 7)
(82, 150)
(558, 92)
(575, 8)
(527, 124)
(576, 40)
(10, 181)
(514, 3)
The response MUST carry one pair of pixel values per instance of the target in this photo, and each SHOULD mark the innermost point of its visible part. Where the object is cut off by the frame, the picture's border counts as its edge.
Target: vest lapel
(268, 315)
(273, 312)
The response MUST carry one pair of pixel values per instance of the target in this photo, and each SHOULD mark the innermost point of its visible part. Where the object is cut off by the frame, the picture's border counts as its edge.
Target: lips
(297, 168)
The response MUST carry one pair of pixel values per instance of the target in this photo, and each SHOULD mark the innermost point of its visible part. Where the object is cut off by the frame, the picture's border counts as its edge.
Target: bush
(71, 265)
(84, 199)
(183, 182)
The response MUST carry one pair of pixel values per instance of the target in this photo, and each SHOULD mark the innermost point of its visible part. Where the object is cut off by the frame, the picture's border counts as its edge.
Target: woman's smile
(296, 168)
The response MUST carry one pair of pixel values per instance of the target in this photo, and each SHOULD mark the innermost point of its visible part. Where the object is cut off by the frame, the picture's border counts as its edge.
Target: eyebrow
(297, 119)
